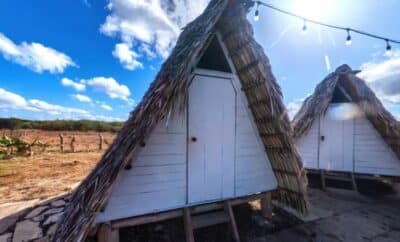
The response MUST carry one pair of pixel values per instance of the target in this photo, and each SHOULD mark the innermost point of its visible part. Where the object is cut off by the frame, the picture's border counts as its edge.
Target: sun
(313, 9)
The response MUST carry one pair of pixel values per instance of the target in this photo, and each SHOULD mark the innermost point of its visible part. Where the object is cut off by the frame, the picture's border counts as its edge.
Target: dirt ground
(52, 172)
(43, 175)
(336, 215)
(343, 215)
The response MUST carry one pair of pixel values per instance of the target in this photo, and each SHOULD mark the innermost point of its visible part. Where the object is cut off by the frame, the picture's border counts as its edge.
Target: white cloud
(9, 100)
(35, 56)
(75, 85)
(109, 119)
(55, 109)
(13, 101)
(81, 98)
(39, 109)
(126, 56)
(294, 106)
(383, 76)
(152, 26)
(106, 107)
(109, 86)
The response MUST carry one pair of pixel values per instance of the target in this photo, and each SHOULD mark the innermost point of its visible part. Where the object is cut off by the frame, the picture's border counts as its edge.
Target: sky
(94, 59)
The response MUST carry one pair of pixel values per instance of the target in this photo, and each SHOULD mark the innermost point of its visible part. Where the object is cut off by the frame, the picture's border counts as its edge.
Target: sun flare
(313, 9)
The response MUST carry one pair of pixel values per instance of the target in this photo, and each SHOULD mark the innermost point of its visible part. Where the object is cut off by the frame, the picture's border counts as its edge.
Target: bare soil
(52, 172)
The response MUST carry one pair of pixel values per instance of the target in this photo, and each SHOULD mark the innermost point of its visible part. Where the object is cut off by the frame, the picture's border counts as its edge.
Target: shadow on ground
(336, 215)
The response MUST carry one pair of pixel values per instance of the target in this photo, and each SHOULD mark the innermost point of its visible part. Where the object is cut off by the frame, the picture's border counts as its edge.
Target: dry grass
(50, 173)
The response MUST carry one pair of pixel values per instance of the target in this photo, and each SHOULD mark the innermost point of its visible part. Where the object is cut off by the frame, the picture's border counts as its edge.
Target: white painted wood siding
(253, 172)
(308, 146)
(372, 155)
(157, 179)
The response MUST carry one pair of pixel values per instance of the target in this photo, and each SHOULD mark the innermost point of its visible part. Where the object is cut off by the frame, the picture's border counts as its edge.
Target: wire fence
(68, 141)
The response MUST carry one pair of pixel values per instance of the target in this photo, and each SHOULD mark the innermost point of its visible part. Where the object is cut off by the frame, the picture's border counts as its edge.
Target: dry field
(52, 172)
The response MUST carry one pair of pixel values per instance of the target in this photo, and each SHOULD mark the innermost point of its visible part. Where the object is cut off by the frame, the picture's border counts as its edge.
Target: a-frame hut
(212, 127)
(343, 127)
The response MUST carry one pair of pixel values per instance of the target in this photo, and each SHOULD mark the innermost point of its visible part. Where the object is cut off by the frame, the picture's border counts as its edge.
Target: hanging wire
(348, 30)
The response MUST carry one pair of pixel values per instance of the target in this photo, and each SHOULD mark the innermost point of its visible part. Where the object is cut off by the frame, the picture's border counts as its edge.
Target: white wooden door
(336, 141)
(211, 139)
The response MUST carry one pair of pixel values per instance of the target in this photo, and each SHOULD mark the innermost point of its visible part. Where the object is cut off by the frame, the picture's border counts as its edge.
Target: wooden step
(346, 177)
(193, 220)
(209, 219)
(338, 178)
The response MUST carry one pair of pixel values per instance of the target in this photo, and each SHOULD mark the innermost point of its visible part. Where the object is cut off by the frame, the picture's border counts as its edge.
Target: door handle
(194, 139)
(322, 138)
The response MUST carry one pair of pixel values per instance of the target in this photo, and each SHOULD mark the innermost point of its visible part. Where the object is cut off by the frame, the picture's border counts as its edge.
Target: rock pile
(34, 224)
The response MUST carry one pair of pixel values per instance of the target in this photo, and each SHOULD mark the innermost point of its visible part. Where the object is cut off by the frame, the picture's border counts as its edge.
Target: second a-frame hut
(343, 127)
(212, 127)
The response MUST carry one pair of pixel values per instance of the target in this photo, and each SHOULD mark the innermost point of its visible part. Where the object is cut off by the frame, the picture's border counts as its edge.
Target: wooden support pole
(266, 205)
(106, 234)
(323, 185)
(61, 143)
(101, 141)
(188, 225)
(353, 182)
(233, 227)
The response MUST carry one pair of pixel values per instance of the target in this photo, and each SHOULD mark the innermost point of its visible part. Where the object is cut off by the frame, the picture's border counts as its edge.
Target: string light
(348, 38)
(304, 25)
(305, 20)
(256, 13)
(388, 47)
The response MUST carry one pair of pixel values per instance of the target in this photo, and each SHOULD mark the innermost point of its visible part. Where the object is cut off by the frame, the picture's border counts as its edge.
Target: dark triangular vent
(339, 96)
(214, 58)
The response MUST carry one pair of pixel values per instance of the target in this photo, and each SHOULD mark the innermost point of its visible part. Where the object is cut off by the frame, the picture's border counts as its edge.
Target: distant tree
(59, 125)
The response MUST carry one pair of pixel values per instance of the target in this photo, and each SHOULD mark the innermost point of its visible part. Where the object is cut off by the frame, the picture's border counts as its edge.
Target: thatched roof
(168, 93)
(316, 105)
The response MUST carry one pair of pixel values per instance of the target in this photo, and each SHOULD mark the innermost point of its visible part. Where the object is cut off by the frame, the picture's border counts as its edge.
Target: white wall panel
(157, 179)
(308, 146)
(372, 154)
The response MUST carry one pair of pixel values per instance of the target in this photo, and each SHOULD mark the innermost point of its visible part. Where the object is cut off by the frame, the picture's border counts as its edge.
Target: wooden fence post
(61, 142)
(72, 144)
(100, 142)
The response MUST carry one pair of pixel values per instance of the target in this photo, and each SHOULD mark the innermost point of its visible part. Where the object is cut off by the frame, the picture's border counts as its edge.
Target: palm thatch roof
(168, 94)
(344, 77)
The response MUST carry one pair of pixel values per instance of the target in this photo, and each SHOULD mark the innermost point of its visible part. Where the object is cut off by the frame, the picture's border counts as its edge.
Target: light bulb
(348, 39)
(256, 16)
(388, 47)
(304, 26)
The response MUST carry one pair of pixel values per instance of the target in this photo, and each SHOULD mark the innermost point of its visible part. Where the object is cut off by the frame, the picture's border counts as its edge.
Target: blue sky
(95, 59)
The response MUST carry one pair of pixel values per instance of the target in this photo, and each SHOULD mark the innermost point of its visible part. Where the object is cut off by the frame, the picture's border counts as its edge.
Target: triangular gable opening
(214, 58)
(340, 95)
